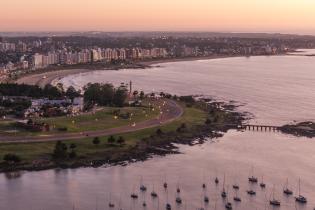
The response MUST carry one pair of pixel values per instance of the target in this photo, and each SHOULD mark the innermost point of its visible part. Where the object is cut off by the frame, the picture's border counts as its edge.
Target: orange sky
(293, 16)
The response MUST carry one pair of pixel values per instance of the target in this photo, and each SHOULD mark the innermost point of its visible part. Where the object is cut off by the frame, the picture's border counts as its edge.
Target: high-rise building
(37, 61)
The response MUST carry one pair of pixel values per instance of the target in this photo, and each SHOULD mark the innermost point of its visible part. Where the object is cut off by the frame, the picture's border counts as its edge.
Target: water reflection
(13, 175)
(273, 155)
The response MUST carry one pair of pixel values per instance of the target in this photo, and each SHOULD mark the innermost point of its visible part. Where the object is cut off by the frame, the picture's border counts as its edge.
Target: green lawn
(34, 151)
(103, 119)
(100, 120)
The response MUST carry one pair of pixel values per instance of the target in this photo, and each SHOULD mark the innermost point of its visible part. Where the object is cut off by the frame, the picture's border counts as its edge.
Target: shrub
(72, 154)
(60, 151)
(208, 121)
(63, 129)
(111, 139)
(11, 158)
(96, 141)
(73, 146)
(183, 125)
(159, 132)
(187, 99)
(121, 140)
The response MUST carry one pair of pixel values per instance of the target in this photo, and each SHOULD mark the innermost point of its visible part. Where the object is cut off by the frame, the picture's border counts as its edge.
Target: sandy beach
(42, 79)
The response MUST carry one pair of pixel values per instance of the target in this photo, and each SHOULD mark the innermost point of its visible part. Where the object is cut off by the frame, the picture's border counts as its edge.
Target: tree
(60, 151)
(159, 132)
(11, 158)
(92, 93)
(96, 141)
(51, 91)
(120, 96)
(73, 154)
(111, 139)
(72, 93)
(102, 94)
(141, 95)
(121, 140)
(73, 146)
(183, 125)
(208, 121)
(107, 94)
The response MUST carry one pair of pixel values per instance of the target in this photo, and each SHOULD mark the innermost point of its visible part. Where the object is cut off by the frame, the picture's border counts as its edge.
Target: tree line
(105, 94)
(34, 91)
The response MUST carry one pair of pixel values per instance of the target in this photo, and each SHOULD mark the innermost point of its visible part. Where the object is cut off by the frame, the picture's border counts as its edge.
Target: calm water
(276, 90)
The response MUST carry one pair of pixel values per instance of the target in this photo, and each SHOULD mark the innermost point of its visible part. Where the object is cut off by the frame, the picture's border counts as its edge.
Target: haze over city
(157, 104)
(283, 16)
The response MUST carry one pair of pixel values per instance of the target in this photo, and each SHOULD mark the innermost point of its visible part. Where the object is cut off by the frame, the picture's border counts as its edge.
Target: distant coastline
(47, 77)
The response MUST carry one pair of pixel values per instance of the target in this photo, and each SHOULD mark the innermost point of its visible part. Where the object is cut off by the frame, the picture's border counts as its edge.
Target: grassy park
(100, 119)
(86, 150)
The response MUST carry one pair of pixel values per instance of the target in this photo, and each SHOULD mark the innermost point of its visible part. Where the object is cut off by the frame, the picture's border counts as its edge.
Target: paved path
(170, 111)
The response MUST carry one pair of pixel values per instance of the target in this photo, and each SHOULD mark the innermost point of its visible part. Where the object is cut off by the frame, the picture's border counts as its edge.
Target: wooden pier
(254, 127)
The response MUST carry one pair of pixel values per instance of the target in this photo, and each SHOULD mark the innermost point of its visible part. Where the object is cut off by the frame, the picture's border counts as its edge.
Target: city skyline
(283, 16)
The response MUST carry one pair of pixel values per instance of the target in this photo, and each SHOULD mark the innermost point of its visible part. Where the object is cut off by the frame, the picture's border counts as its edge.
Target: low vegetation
(197, 121)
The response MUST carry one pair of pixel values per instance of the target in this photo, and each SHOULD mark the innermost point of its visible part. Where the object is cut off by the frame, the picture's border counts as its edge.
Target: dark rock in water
(306, 129)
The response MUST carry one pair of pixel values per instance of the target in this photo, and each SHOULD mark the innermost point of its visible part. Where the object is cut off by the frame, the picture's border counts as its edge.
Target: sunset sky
(286, 16)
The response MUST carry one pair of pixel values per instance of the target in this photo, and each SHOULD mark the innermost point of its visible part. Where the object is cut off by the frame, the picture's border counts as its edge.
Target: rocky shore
(306, 129)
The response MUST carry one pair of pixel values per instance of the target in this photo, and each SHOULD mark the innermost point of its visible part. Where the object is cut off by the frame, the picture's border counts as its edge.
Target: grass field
(85, 148)
(103, 119)
(98, 120)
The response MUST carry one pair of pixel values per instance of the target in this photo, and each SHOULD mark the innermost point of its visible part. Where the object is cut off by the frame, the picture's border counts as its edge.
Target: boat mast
(299, 186)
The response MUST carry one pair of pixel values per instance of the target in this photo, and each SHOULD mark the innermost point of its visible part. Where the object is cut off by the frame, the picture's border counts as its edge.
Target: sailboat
(204, 183)
(286, 189)
(144, 204)
(168, 205)
(153, 193)
(205, 197)
(119, 204)
(228, 205)
(251, 192)
(178, 200)
(178, 188)
(223, 193)
(236, 197)
(262, 184)
(142, 186)
(300, 198)
(110, 204)
(216, 180)
(133, 194)
(235, 185)
(201, 205)
(273, 201)
(252, 178)
(165, 183)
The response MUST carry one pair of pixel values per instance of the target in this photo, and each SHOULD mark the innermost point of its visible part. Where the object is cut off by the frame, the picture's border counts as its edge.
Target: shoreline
(152, 143)
(50, 76)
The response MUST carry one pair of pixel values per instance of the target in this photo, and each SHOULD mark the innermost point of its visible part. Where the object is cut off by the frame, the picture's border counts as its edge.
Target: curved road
(169, 112)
